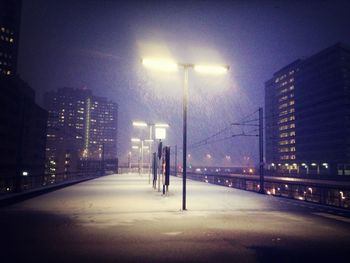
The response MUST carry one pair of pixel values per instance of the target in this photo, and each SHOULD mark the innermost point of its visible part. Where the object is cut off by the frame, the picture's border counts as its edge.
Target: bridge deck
(121, 218)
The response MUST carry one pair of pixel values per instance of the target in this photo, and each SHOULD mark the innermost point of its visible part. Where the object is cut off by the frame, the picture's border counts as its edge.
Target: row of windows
(284, 76)
(6, 30)
(286, 127)
(284, 105)
(5, 72)
(288, 157)
(287, 89)
(287, 134)
(5, 55)
(286, 119)
(287, 149)
(285, 142)
(7, 39)
(285, 112)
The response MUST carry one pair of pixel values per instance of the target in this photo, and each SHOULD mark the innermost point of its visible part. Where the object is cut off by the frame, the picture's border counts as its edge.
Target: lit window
(292, 141)
(284, 142)
(291, 110)
(283, 105)
(284, 91)
(283, 98)
(292, 118)
(284, 134)
(292, 157)
(284, 150)
(283, 120)
(292, 133)
(291, 87)
(292, 149)
(292, 125)
(284, 127)
(282, 113)
(291, 102)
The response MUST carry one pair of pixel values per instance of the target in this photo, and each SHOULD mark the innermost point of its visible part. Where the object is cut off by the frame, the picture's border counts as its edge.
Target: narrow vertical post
(103, 159)
(184, 148)
(175, 160)
(261, 151)
(141, 156)
(150, 151)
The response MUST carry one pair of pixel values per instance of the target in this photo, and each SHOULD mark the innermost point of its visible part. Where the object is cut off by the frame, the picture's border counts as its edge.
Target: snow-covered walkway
(122, 218)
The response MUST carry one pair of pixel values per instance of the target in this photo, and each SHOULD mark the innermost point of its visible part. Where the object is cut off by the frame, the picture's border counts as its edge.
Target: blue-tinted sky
(98, 45)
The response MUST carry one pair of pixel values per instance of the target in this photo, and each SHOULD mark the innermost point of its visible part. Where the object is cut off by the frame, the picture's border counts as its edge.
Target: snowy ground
(120, 218)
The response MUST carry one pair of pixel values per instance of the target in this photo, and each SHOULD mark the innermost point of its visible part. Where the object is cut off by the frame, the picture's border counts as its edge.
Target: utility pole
(261, 151)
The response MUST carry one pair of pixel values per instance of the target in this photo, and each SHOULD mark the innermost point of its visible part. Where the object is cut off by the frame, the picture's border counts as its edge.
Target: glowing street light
(169, 65)
(139, 124)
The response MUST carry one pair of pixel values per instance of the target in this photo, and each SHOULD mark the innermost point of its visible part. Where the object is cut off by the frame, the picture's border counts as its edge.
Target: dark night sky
(98, 44)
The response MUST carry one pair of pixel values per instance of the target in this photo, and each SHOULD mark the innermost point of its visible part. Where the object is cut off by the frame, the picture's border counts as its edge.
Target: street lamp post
(168, 65)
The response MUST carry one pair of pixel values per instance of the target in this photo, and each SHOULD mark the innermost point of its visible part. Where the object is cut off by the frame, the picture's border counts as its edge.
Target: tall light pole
(168, 65)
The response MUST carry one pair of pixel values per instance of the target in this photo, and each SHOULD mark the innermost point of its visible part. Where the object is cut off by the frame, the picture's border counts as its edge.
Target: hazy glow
(134, 147)
(161, 125)
(160, 133)
(208, 69)
(139, 124)
(148, 140)
(160, 64)
(135, 140)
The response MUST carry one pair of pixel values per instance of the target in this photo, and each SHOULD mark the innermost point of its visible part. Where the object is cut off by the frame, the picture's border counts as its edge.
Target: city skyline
(99, 45)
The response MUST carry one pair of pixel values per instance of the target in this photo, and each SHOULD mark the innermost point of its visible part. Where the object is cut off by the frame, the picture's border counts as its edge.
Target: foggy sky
(99, 44)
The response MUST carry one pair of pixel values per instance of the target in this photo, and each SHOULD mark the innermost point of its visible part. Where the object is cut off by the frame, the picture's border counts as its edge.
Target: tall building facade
(23, 122)
(10, 19)
(308, 115)
(81, 128)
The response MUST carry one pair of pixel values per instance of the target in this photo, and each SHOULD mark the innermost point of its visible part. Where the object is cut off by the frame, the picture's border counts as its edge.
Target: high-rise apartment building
(308, 115)
(81, 128)
(10, 18)
(23, 122)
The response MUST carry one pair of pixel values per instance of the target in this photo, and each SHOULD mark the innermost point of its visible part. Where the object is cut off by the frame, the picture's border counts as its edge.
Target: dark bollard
(154, 169)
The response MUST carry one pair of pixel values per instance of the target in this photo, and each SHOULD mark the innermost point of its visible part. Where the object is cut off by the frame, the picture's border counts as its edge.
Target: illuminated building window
(291, 87)
(283, 98)
(284, 105)
(292, 157)
(284, 90)
(283, 142)
(292, 118)
(292, 149)
(291, 102)
(292, 141)
(283, 120)
(284, 134)
(292, 125)
(291, 110)
(284, 127)
(284, 150)
(292, 133)
(291, 80)
(283, 113)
